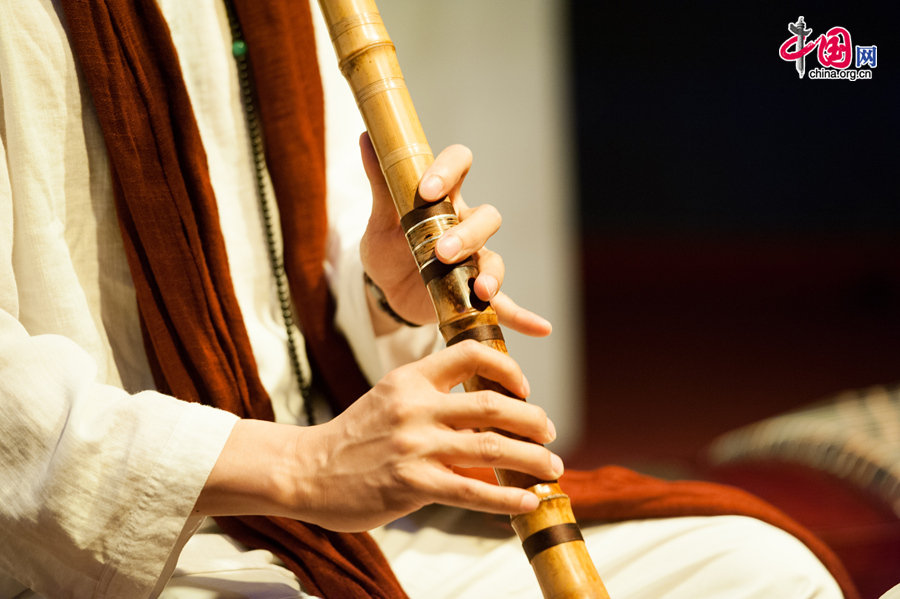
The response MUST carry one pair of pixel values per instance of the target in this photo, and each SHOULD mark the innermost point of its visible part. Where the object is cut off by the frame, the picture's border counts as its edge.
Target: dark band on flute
(435, 268)
(485, 332)
(416, 215)
(549, 537)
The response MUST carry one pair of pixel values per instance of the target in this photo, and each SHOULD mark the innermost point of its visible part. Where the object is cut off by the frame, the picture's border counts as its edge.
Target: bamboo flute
(550, 536)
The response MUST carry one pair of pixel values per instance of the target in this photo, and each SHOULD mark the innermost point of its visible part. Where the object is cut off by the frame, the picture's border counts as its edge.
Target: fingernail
(449, 246)
(431, 187)
(557, 464)
(530, 502)
(526, 386)
(491, 284)
(551, 430)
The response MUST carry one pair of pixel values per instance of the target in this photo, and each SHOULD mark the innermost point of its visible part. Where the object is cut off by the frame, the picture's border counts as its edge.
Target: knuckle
(468, 493)
(395, 379)
(488, 403)
(490, 447)
(403, 476)
(400, 401)
(470, 348)
(539, 413)
(464, 151)
(392, 405)
(486, 258)
(464, 211)
(492, 213)
(404, 444)
(399, 411)
(496, 261)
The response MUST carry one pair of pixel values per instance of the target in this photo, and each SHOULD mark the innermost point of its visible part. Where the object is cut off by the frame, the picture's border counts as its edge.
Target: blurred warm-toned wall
(493, 75)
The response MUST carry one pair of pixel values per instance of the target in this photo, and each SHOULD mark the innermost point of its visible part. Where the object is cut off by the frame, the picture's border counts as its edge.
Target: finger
(461, 491)
(480, 409)
(459, 205)
(518, 318)
(493, 450)
(384, 214)
(446, 172)
(490, 274)
(450, 367)
(469, 235)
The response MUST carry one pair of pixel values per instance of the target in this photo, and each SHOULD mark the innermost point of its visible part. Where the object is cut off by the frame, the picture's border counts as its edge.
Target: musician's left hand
(388, 261)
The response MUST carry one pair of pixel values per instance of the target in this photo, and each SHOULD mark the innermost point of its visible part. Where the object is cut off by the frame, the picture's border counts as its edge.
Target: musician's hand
(387, 259)
(391, 452)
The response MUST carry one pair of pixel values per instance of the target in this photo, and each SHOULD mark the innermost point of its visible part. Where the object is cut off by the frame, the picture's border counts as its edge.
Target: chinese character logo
(835, 48)
(867, 55)
(834, 52)
(798, 54)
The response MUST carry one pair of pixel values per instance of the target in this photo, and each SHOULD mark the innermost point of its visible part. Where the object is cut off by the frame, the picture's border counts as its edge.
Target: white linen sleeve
(98, 485)
(375, 355)
(349, 205)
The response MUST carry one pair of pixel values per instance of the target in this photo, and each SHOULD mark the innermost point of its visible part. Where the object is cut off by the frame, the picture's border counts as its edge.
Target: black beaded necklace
(276, 259)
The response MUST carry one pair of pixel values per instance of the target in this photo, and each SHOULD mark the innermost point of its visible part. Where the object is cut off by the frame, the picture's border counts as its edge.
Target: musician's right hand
(392, 451)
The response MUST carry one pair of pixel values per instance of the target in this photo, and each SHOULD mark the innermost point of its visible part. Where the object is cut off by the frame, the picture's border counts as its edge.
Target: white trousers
(447, 553)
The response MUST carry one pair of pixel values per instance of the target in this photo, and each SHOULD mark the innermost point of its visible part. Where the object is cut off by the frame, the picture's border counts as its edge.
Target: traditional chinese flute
(550, 537)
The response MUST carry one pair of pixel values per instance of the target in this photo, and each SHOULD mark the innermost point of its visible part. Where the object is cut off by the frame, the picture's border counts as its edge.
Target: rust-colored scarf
(195, 338)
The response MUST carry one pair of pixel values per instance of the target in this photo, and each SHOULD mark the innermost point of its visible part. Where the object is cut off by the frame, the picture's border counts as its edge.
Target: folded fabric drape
(195, 338)
(613, 493)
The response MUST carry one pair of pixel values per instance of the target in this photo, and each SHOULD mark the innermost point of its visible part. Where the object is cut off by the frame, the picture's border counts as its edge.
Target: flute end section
(555, 547)
(567, 572)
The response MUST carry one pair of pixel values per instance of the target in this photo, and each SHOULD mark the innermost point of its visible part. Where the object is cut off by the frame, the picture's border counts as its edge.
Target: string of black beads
(239, 51)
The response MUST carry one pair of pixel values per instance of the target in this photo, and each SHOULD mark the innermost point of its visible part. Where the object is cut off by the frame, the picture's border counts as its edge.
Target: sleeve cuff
(162, 518)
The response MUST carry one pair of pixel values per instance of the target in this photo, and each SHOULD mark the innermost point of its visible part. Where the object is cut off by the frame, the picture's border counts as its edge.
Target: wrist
(384, 318)
(254, 474)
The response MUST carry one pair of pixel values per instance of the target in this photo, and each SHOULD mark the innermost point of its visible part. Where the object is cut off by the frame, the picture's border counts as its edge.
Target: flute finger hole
(475, 301)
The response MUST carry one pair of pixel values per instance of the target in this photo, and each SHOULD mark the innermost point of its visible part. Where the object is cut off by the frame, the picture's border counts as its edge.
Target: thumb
(384, 215)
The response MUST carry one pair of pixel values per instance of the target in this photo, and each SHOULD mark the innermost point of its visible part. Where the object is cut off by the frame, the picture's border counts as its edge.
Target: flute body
(550, 536)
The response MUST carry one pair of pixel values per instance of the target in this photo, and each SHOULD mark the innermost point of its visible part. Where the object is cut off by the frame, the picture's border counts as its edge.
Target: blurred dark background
(740, 247)
(691, 123)
(740, 225)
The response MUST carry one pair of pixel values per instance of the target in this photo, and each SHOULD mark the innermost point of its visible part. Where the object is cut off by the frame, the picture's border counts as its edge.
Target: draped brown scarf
(194, 334)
